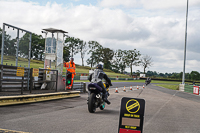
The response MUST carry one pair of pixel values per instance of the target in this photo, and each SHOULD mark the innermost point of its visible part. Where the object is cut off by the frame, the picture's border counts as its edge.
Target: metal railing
(14, 78)
(80, 86)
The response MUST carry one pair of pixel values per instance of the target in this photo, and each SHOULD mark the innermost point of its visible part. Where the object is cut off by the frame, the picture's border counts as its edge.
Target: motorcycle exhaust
(98, 96)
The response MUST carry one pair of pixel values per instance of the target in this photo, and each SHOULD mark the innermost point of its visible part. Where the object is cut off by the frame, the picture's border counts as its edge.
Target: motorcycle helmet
(99, 66)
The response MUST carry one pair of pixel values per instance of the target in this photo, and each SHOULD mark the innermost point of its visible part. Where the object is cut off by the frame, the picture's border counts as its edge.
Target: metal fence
(14, 79)
(16, 46)
(20, 80)
(80, 86)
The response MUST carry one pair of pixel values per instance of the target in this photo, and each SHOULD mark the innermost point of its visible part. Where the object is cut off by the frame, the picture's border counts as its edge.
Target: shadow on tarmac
(107, 111)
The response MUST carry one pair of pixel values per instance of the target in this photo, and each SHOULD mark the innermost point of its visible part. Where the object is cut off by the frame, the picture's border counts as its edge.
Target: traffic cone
(124, 89)
(137, 87)
(143, 86)
(116, 91)
(131, 88)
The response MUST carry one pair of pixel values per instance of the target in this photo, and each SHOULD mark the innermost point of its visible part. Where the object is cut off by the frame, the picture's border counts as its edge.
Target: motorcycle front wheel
(91, 103)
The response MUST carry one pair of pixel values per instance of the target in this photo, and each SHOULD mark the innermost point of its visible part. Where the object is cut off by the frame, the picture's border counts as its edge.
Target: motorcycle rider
(96, 77)
(148, 80)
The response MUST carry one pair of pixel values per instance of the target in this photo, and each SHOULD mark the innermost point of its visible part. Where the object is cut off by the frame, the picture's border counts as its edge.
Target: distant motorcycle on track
(148, 81)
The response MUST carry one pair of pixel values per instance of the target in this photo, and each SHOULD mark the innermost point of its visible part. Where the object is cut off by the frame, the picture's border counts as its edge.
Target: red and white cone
(143, 86)
(124, 89)
(116, 91)
(131, 88)
(137, 87)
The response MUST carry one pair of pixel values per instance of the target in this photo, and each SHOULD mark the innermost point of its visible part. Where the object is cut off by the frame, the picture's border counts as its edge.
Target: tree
(9, 45)
(119, 63)
(138, 72)
(37, 46)
(91, 60)
(195, 75)
(146, 61)
(174, 75)
(149, 74)
(82, 48)
(180, 75)
(66, 53)
(72, 43)
(161, 74)
(23, 50)
(96, 52)
(107, 54)
(132, 58)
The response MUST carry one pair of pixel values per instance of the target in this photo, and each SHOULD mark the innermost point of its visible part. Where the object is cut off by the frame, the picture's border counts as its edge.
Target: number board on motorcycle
(131, 115)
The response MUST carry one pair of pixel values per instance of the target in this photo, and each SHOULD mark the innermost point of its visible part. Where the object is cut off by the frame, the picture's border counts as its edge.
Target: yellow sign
(132, 106)
(20, 71)
(35, 72)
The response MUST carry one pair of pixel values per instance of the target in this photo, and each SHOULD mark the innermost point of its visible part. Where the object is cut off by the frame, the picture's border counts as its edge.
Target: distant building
(142, 75)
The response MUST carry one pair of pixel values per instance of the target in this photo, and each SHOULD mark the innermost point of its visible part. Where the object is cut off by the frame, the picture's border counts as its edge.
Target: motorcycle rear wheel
(91, 103)
(102, 106)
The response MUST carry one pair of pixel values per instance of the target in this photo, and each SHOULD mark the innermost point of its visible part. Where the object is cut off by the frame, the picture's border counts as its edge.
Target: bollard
(84, 87)
(116, 91)
(131, 88)
(124, 89)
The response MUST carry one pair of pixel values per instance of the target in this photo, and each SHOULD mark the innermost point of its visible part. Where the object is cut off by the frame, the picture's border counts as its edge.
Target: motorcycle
(95, 99)
(148, 82)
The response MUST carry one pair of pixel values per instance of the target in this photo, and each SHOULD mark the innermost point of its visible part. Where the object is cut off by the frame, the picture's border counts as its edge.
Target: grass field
(172, 87)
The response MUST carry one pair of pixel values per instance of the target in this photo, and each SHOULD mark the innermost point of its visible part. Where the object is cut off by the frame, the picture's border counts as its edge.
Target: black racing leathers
(97, 76)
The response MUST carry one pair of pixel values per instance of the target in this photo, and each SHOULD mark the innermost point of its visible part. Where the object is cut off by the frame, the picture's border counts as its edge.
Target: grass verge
(172, 87)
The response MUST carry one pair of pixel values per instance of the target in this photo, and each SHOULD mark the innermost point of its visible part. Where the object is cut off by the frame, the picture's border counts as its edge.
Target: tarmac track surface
(166, 111)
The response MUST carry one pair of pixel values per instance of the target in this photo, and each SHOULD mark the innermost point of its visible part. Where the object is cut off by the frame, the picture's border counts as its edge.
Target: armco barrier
(79, 86)
(14, 79)
(83, 77)
(19, 80)
(188, 88)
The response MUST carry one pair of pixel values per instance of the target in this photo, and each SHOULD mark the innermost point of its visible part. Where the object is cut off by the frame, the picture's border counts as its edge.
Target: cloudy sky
(153, 27)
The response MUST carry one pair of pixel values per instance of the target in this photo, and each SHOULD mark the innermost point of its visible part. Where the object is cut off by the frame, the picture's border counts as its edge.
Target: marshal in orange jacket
(70, 67)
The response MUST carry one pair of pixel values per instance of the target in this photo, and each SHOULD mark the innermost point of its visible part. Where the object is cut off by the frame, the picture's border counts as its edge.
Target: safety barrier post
(84, 87)
(1, 78)
(22, 85)
(56, 80)
(31, 80)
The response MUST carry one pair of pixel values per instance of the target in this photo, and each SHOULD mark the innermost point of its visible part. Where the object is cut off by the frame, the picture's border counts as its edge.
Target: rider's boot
(106, 98)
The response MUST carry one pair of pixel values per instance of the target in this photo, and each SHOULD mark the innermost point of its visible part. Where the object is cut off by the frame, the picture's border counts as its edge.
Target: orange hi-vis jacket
(70, 67)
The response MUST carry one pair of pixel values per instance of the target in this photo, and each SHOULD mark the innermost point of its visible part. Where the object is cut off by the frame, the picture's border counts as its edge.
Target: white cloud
(158, 33)
(146, 4)
(166, 4)
(114, 3)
